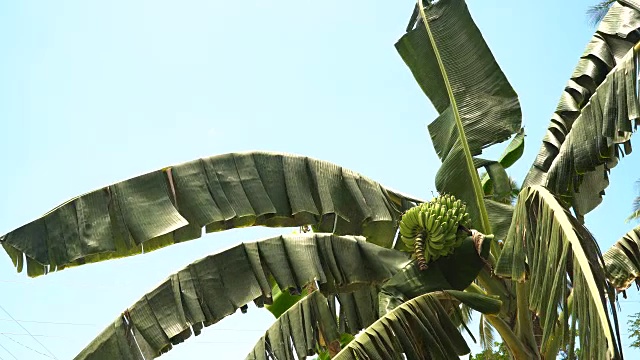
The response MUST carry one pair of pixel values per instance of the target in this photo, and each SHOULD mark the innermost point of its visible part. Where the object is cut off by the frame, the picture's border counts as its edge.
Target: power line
(38, 335)
(223, 342)
(226, 329)
(27, 331)
(49, 322)
(7, 350)
(89, 324)
(68, 337)
(23, 345)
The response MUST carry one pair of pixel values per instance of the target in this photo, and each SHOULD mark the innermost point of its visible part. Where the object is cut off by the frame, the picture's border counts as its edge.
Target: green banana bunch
(432, 229)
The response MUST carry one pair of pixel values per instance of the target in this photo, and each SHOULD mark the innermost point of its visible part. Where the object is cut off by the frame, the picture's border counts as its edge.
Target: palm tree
(636, 207)
(598, 11)
(353, 272)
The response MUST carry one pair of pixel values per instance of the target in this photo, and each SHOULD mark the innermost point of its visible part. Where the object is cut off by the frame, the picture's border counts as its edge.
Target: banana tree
(397, 272)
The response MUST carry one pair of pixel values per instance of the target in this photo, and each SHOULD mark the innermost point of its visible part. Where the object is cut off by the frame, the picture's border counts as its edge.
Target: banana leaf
(487, 105)
(313, 323)
(172, 205)
(597, 113)
(418, 329)
(216, 286)
(453, 272)
(510, 155)
(559, 260)
(622, 260)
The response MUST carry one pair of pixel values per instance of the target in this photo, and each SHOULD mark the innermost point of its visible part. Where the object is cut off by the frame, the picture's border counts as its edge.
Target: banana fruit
(431, 229)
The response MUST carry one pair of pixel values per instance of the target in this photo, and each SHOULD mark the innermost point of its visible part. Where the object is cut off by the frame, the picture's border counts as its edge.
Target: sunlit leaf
(548, 248)
(216, 286)
(172, 205)
(595, 117)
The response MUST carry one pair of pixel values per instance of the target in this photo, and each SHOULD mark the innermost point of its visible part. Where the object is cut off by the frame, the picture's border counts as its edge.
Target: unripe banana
(436, 209)
(407, 241)
(406, 231)
(436, 225)
(450, 224)
(421, 218)
(431, 229)
(451, 239)
(437, 239)
(430, 222)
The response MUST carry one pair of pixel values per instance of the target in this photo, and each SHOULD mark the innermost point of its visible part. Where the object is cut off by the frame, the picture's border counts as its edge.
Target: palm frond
(463, 317)
(598, 11)
(487, 338)
(635, 215)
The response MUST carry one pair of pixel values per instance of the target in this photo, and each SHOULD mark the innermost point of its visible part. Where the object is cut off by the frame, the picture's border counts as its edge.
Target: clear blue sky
(92, 93)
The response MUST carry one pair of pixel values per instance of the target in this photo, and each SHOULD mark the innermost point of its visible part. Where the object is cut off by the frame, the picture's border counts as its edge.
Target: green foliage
(634, 329)
(635, 215)
(497, 352)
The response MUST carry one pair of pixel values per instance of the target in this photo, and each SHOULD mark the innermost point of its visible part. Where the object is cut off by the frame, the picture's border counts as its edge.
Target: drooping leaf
(623, 260)
(418, 329)
(312, 323)
(596, 115)
(500, 217)
(548, 248)
(358, 309)
(172, 205)
(487, 104)
(513, 151)
(509, 156)
(216, 286)
(500, 182)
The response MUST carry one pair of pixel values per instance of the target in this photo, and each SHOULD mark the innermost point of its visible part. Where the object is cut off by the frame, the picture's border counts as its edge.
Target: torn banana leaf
(418, 329)
(172, 205)
(623, 260)
(487, 104)
(548, 248)
(597, 113)
(315, 323)
(216, 286)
